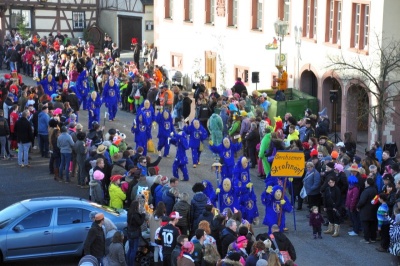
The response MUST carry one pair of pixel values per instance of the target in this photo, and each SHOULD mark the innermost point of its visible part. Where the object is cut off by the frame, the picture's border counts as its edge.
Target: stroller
(144, 254)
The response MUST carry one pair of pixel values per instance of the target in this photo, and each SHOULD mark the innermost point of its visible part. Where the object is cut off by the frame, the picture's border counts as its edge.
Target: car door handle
(46, 233)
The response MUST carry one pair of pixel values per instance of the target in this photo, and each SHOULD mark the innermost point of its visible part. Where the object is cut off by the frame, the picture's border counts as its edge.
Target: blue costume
(82, 89)
(165, 127)
(226, 196)
(139, 128)
(197, 134)
(49, 87)
(274, 205)
(94, 110)
(148, 115)
(241, 177)
(181, 160)
(210, 192)
(111, 98)
(248, 204)
(227, 156)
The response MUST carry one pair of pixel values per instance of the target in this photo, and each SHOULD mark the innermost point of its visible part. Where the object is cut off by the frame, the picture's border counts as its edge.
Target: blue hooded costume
(139, 128)
(93, 108)
(227, 156)
(111, 98)
(274, 206)
(49, 87)
(148, 115)
(197, 135)
(210, 192)
(241, 177)
(248, 206)
(165, 127)
(216, 128)
(181, 160)
(226, 196)
(82, 89)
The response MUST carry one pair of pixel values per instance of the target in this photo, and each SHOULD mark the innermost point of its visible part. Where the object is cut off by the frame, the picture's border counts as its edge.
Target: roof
(147, 2)
(51, 201)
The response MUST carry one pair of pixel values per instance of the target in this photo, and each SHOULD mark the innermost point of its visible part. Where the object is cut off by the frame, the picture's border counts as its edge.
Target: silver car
(49, 226)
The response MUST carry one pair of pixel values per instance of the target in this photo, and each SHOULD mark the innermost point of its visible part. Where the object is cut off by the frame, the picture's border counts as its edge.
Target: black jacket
(4, 128)
(73, 101)
(227, 237)
(186, 105)
(95, 243)
(184, 210)
(284, 244)
(367, 209)
(332, 198)
(23, 130)
(198, 205)
(135, 221)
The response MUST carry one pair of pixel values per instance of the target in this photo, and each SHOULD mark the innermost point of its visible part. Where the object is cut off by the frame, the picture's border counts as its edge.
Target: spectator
(135, 221)
(211, 256)
(183, 207)
(23, 131)
(284, 244)
(185, 258)
(332, 202)
(154, 223)
(228, 236)
(117, 196)
(311, 183)
(169, 198)
(198, 241)
(198, 204)
(65, 143)
(116, 253)
(4, 134)
(368, 211)
(168, 232)
(181, 240)
(95, 241)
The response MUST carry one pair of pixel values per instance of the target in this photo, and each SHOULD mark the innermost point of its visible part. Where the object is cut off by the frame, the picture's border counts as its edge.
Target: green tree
(21, 25)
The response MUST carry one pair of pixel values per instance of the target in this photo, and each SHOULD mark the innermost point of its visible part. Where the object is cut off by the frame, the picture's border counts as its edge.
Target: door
(211, 69)
(129, 27)
(73, 225)
(31, 236)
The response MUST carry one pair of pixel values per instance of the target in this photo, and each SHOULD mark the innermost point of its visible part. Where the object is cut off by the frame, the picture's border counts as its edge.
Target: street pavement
(18, 184)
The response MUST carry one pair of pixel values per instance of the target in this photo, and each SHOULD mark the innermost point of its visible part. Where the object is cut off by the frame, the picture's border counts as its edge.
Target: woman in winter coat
(351, 202)
(154, 223)
(332, 199)
(135, 221)
(311, 184)
(97, 192)
(116, 251)
(368, 211)
(117, 196)
(182, 206)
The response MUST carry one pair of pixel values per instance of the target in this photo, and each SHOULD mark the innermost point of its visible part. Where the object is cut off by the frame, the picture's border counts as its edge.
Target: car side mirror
(18, 228)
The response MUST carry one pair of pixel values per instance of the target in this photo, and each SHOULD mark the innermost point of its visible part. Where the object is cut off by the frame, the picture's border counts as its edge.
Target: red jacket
(352, 198)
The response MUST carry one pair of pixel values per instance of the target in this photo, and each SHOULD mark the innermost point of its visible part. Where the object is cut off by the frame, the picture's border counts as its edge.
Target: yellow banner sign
(288, 164)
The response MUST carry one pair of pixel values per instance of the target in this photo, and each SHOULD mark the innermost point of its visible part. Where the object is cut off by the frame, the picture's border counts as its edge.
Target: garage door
(129, 27)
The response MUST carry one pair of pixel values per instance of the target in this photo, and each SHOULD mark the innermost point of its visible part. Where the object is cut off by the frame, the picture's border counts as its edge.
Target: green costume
(264, 146)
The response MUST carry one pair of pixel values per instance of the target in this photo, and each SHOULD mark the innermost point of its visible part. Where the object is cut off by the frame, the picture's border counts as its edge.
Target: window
(188, 9)
(78, 20)
(333, 21)
(360, 26)
(284, 11)
(176, 61)
(20, 15)
(210, 11)
(310, 19)
(37, 219)
(72, 216)
(232, 12)
(256, 14)
(243, 73)
(168, 5)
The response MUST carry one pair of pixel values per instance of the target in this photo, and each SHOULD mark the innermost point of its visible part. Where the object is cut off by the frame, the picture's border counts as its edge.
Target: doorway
(309, 83)
(211, 69)
(128, 28)
(358, 113)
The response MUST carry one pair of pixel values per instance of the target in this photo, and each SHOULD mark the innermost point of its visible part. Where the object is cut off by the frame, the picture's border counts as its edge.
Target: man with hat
(95, 243)
(310, 133)
(322, 127)
(167, 237)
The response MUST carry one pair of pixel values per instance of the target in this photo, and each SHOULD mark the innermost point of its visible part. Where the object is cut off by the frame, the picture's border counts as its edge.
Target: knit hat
(267, 243)
(115, 178)
(331, 165)
(98, 175)
(188, 247)
(164, 180)
(339, 167)
(58, 111)
(306, 146)
(314, 152)
(334, 154)
(241, 239)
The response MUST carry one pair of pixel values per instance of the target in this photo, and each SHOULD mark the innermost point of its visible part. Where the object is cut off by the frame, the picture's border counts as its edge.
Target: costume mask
(165, 115)
(147, 104)
(111, 82)
(49, 78)
(65, 86)
(226, 184)
(196, 124)
(245, 162)
(227, 143)
(93, 95)
(140, 118)
(278, 194)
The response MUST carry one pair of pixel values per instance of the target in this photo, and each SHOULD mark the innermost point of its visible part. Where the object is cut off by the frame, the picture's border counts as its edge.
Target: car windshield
(11, 213)
(110, 210)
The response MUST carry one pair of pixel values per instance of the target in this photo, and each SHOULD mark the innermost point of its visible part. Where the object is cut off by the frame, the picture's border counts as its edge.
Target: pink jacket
(352, 198)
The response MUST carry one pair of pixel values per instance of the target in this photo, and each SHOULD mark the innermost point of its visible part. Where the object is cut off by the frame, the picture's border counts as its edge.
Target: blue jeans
(133, 247)
(13, 66)
(23, 150)
(65, 161)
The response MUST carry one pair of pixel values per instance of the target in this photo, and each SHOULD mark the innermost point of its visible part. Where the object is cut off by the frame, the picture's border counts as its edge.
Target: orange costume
(282, 82)
(158, 77)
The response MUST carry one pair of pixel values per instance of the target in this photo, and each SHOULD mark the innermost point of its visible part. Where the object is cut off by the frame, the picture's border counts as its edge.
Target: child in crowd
(316, 220)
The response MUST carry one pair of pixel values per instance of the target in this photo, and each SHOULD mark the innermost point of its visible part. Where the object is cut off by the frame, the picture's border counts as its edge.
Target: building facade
(225, 39)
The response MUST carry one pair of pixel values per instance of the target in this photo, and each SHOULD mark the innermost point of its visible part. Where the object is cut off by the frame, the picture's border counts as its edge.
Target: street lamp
(298, 31)
(281, 29)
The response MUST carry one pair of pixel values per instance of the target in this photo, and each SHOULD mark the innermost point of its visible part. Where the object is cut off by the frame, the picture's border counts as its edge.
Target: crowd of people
(215, 226)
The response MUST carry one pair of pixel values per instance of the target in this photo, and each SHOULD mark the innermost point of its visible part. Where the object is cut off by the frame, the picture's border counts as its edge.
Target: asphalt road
(18, 184)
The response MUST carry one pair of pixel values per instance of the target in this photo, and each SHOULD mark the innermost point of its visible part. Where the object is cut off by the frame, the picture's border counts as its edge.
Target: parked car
(49, 226)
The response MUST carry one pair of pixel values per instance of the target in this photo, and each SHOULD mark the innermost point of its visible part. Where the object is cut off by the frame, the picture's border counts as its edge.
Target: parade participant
(276, 204)
(111, 98)
(226, 151)
(93, 106)
(241, 176)
(210, 192)
(197, 134)
(148, 114)
(165, 128)
(49, 84)
(83, 89)
(215, 126)
(139, 128)
(227, 196)
(181, 160)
